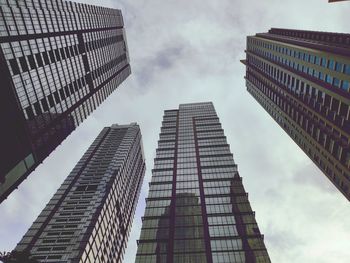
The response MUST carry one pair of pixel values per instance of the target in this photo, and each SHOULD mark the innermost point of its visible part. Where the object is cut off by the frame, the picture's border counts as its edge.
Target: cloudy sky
(188, 51)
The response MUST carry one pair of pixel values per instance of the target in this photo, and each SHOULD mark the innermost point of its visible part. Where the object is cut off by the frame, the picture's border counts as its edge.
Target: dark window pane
(81, 48)
(63, 55)
(58, 56)
(14, 66)
(62, 94)
(75, 85)
(44, 104)
(71, 50)
(37, 108)
(71, 88)
(57, 98)
(66, 91)
(51, 102)
(79, 84)
(46, 58)
(30, 112)
(76, 49)
(91, 188)
(31, 62)
(52, 56)
(39, 60)
(24, 64)
(67, 52)
(81, 188)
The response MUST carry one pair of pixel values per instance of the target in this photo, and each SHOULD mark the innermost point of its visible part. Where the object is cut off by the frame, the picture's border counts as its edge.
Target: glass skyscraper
(197, 209)
(302, 79)
(89, 218)
(58, 61)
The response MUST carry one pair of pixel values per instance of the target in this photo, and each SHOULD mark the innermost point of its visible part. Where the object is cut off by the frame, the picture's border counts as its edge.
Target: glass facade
(89, 218)
(59, 61)
(197, 209)
(302, 80)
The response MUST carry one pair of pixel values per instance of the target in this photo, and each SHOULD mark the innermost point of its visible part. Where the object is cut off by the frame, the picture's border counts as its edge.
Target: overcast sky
(185, 51)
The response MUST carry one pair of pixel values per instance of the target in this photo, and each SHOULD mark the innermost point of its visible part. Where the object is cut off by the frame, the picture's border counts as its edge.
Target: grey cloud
(312, 176)
(162, 60)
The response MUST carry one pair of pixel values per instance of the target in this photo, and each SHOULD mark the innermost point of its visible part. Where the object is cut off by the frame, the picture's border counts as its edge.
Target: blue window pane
(331, 64)
(347, 69)
(312, 59)
(329, 79)
(317, 60)
(336, 82)
(321, 76)
(345, 85)
(338, 66)
(324, 62)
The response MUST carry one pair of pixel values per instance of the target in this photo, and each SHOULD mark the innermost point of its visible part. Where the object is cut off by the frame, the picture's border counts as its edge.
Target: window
(51, 102)
(31, 62)
(338, 66)
(46, 58)
(66, 89)
(321, 76)
(52, 56)
(336, 82)
(67, 52)
(14, 66)
(317, 60)
(331, 64)
(63, 96)
(57, 98)
(345, 85)
(58, 56)
(63, 55)
(329, 79)
(44, 104)
(39, 60)
(29, 112)
(24, 64)
(37, 108)
(347, 69)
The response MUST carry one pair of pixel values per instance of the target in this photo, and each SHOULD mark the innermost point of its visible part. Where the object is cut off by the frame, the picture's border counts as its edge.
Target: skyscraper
(197, 209)
(302, 78)
(58, 61)
(90, 216)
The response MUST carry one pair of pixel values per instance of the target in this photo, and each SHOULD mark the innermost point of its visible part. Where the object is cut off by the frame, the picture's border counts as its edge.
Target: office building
(301, 78)
(90, 216)
(59, 61)
(197, 209)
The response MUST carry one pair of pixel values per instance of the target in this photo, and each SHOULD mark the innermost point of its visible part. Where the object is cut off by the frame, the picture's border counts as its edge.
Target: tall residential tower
(90, 216)
(302, 79)
(197, 209)
(58, 61)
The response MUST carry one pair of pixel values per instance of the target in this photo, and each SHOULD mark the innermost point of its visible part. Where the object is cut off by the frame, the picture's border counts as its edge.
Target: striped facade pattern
(301, 78)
